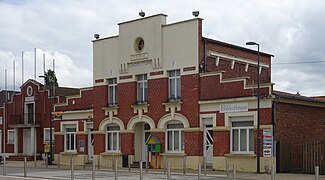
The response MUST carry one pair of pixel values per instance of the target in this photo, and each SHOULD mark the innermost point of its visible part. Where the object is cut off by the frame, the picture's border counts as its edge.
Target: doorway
(90, 127)
(208, 142)
(141, 135)
(27, 148)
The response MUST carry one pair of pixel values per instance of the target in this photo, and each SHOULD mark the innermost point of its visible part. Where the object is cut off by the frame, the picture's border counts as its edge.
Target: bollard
(115, 169)
(273, 173)
(147, 163)
(168, 171)
(35, 161)
(113, 160)
(129, 164)
(98, 162)
(59, 161)
(93, 175)
(4, 164)
(205, 165)
(234, 173)
(71, 165)
(227, 166)
(316, 172)
(199, 172)
(184, 165)
(165, 164)
(140, 170)
(84, 162)
(46, 161)
(25, 166)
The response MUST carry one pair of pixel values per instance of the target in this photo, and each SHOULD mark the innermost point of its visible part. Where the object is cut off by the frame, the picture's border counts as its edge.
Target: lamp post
(258, 103)
(51, 81)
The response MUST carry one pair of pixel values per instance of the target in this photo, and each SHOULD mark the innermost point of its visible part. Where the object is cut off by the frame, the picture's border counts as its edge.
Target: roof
(234, 46)
(66, 91)
(298, 97)
(319, 97)
(3, 96)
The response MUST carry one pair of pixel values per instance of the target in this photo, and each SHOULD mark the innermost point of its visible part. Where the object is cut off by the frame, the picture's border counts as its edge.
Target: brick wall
(297, 124)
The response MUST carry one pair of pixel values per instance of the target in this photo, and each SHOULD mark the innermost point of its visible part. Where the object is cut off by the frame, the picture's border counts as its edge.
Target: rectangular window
(112, 91)
(174, 85)
(113, 138)
(47, 135)
(11, 136)
(142, 88)
(0, 120)
(175, 137)
(70, 139)
(242, 135)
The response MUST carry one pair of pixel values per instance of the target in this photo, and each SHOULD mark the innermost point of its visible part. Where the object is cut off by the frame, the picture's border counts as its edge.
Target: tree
(50, 78)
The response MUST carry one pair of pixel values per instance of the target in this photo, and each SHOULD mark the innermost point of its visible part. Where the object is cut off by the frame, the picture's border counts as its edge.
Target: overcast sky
(292, 30)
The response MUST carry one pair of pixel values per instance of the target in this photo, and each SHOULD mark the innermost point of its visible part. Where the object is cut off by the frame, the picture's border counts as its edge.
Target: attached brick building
(164, 87)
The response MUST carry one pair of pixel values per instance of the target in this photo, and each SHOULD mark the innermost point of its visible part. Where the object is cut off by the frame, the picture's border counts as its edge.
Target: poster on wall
(267, 143)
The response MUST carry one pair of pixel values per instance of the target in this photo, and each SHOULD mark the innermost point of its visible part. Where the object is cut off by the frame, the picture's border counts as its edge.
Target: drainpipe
(274, 130)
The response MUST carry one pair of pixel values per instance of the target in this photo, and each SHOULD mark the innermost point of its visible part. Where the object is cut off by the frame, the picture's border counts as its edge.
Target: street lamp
(51, 81)
(258, 103)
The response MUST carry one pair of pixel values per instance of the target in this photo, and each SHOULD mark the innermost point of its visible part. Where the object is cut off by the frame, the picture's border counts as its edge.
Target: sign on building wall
(267, 143)
(238, 107)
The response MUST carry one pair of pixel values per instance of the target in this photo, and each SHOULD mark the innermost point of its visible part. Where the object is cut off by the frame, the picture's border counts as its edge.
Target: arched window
(175, 136)
(113, 141)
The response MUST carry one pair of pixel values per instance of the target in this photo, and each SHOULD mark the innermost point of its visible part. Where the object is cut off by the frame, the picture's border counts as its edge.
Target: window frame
(142, 79)
(44, 135)
(247, 129)
(66, 134)
(181, 141)
(8, 137)
(118, 140)
(112, 84)
(176, 80)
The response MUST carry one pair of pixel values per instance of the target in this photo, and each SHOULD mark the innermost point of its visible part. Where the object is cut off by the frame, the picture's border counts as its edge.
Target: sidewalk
(15, 168)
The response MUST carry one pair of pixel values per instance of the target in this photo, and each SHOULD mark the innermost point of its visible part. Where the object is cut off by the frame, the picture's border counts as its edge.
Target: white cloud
(292, 30)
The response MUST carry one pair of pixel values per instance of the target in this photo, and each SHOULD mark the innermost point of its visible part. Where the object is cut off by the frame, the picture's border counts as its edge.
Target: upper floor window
(142, 88)
(242, 136)
(174, 85)
(112, 89)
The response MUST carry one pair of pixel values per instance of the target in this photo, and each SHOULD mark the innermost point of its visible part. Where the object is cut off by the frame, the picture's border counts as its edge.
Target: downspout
(274, 131)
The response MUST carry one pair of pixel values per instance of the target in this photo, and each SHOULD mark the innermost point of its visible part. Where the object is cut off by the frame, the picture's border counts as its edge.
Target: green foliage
(50, 78)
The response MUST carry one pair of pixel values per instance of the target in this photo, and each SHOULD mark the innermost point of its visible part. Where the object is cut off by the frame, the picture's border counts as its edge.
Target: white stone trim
(240, 114)
(210, 115)
(67, 123)
(168, 117)
(107, 121)
(136, 119)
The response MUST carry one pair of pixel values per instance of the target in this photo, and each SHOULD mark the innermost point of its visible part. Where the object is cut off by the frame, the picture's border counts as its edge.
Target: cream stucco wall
(166, 47)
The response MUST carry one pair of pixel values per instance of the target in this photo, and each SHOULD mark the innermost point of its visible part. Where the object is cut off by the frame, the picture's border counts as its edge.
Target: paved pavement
(14, 171)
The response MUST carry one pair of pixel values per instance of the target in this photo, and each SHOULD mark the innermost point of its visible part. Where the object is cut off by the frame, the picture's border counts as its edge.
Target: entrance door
(141, 135)
(90, 141)
(27, 149)
(208, 143)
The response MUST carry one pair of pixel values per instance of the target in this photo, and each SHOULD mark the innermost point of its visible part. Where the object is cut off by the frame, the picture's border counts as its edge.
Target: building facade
(164, 93)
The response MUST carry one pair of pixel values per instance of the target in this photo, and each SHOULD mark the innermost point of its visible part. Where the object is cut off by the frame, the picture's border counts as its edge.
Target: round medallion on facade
(138, 44)
(29, 91)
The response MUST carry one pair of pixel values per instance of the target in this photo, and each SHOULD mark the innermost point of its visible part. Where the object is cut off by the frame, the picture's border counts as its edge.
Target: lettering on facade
(239, 107)
(135, 57)
(140, 63)
(30, 98)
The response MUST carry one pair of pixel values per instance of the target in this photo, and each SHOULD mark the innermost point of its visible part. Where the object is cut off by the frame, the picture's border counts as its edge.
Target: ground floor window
(242, 136)
(70, 138)
(47, 135)
(113, 142)
(11, 136)
(175, 136)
